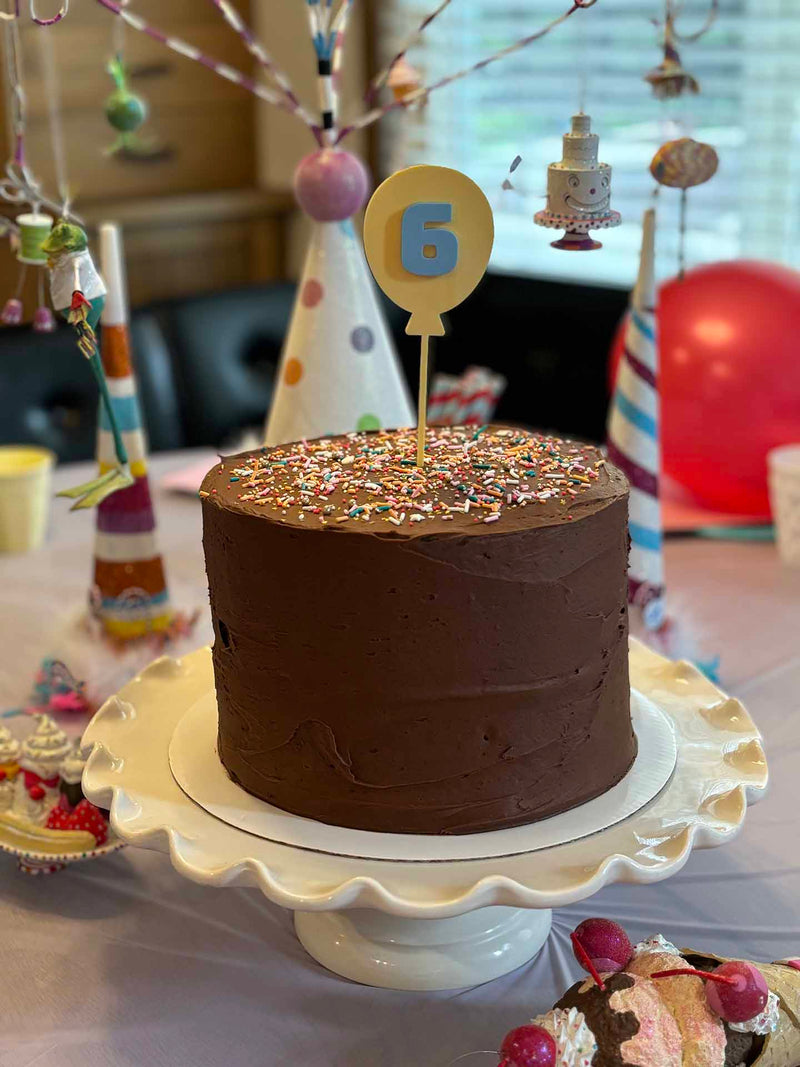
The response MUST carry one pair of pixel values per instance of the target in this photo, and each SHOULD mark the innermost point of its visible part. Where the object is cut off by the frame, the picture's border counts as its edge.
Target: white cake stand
(421, 912)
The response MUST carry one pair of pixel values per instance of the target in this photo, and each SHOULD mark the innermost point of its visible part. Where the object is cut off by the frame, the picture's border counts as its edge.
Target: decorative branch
(424, 91)
(175, 44)
(259, 52)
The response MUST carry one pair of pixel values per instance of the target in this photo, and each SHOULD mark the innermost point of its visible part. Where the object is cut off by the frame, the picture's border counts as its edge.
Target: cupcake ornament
(40, 763)
(578, 191)
(9, 767)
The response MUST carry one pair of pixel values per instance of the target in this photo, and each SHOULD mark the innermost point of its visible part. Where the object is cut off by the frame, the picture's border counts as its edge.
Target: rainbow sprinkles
(373, 478)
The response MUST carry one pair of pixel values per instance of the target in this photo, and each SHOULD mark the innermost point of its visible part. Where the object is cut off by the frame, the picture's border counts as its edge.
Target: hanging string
(682, 237)
(380, 79)
(424, 91)
(53, 95)
(16, 94)
(118, 33)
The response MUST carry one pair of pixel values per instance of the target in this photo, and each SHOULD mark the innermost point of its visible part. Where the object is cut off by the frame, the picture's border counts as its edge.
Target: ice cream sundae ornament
(654, 1005)
(578, 191)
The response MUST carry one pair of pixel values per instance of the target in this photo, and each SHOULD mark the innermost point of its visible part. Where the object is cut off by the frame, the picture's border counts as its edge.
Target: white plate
(198, 771)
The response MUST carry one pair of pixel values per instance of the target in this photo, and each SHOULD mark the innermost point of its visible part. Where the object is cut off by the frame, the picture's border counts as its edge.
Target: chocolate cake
(427, 651)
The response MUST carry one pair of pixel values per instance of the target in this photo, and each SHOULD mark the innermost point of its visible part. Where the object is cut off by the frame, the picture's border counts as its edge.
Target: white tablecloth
(122, 961)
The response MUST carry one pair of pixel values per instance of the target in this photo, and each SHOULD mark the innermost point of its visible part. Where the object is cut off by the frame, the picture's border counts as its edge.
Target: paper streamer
(130, 591)
(339, 371)
(633, 438)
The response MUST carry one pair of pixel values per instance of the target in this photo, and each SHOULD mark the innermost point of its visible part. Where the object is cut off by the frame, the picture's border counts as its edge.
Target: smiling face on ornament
(588, 192)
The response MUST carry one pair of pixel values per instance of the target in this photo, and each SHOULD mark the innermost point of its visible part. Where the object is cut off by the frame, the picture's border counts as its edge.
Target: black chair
(48, 395)
(206, 365)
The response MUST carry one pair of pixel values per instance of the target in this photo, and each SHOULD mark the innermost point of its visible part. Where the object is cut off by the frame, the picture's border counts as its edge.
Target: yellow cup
(25, 477)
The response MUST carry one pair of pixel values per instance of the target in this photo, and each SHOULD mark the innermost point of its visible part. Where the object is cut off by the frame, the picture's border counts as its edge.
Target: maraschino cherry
(742, 1000)
(528, 1046)
(604, 942)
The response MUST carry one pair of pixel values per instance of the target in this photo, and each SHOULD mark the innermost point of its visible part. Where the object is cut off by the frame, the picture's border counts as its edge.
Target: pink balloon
(730, 379)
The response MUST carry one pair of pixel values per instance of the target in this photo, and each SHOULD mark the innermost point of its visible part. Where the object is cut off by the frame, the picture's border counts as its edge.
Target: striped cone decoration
(339, 371)
(633, 438)
(130, 589)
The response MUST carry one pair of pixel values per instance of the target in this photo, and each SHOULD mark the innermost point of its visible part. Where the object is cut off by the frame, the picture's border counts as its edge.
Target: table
(122, 961)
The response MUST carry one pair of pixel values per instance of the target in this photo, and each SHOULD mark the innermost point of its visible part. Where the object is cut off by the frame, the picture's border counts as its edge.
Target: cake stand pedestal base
(377, 949)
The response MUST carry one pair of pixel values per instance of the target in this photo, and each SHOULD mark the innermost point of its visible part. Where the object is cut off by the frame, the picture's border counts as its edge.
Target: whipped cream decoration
(764, 1023)
(9, 746)
(575, 1042)
(656, 943)
(71, 769)
(46, 746)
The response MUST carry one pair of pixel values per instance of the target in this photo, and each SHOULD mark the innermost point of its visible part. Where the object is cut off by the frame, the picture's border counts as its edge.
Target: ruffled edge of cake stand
(721, 767)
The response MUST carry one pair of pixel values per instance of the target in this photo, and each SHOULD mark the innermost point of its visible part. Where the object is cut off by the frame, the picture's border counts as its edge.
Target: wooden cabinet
(193, 216)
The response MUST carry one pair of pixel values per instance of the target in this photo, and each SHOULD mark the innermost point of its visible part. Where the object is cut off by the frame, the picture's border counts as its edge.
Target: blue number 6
(415, 235)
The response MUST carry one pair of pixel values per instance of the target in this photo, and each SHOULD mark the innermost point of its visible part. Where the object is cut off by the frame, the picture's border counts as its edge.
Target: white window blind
(748, 108)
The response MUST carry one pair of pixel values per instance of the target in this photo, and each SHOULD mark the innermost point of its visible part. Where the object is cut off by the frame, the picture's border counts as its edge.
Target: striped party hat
(633, 437)
(130, 590)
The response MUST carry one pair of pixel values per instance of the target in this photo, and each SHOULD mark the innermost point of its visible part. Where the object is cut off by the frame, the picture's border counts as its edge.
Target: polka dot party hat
(339, 371)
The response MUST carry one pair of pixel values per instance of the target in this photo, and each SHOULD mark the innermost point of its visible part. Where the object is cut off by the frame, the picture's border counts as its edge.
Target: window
(748, 108)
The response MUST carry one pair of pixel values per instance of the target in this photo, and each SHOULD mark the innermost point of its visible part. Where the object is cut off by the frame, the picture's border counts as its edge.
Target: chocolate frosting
(611, 1028)
(437, 676)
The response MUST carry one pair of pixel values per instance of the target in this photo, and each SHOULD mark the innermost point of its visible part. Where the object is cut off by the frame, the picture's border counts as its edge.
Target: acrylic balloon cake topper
(428, 235)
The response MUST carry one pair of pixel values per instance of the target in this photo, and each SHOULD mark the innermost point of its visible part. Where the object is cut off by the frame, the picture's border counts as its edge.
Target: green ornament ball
(125, 111)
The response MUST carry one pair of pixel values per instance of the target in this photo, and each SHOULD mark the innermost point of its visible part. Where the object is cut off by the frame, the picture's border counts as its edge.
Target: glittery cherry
(528, 1046)
(605, 943)
(36, 792)
(745, 998)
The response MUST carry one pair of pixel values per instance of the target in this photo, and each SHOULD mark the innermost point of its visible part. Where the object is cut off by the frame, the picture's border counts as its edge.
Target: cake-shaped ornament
(578, 191)
(40, 763)
(9, 767)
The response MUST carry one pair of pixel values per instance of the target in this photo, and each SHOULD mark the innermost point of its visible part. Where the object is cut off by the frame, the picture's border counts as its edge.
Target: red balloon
(729, 339)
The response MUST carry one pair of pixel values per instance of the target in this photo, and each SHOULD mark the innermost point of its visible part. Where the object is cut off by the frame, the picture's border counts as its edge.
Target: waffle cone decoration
(781, 1048)
(130, 590)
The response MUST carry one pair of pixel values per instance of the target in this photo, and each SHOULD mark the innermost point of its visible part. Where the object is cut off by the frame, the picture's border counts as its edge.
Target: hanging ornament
(403, 79)
(125, 110)
(669, 79)
(11, 314)
(578, 191)
(78, 293)
(683, 164)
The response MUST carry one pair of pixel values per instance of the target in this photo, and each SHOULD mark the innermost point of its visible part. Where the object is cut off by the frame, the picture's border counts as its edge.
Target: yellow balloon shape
(428, 235)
